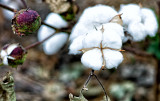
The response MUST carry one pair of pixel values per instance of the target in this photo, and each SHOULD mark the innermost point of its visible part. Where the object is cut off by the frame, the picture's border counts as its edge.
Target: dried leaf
(74, 98)
(117, 19)
(7, 92)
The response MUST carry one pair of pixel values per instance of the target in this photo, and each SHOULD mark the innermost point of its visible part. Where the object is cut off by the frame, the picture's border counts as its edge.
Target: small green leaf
(74, 98)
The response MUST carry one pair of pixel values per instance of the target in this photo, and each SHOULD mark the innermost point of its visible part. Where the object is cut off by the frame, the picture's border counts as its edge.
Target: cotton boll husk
(93, 39)
(78, 29)
(76, 45)
(8, 14)
(112, 57)
(97, 15)
(137, 31)
(116, 27)
(150, 21)
(11, 48)
(55, 43)
(55, 20)
(44, 32)
(130, 12)
(92, 59)
(111, 39)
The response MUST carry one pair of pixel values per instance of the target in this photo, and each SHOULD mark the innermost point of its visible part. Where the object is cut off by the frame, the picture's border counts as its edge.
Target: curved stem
(101, 86)
(8, 8)
(24, 3)
(38, 43)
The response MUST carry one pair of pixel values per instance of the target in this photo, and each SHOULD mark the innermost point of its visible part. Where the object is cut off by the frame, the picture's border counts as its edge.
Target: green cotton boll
(26, 22)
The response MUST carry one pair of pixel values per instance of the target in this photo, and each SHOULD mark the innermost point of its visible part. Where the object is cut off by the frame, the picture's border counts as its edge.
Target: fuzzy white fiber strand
(76, 45)
(130, 13)
(150, 21)
(92, 59)
(137, 31)
(55, 43)
(113, 58)
(91, 18)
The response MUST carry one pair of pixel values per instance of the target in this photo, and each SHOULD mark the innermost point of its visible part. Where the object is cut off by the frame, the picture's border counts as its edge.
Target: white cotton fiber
(137, 31)
(116, 27)
(55, 20)
(44, 32)
(130, 12)
(150, 21)
(92, 59)
(113, 58)
(97, 15)
(76, 45)
(11, 48)
(93, 39)
(111, 39)
(77, 30)
(3, 53)
(5, 60)
(55, 43)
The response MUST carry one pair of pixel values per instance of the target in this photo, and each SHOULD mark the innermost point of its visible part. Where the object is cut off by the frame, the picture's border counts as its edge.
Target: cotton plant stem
(40, 42)
(101, 86)
(89, 78)
(24, 3)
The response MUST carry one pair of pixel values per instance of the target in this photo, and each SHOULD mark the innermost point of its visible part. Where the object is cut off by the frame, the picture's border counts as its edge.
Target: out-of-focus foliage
(7, 88)
(74, 98)
(154, 46)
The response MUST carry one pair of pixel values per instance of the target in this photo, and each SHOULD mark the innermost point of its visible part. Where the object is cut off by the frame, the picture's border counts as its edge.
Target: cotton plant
(57, 41)
(139, 22)
(101, 43)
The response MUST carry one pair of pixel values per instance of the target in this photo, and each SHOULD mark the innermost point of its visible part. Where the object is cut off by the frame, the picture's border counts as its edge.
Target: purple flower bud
(13, 54)
(25, 22)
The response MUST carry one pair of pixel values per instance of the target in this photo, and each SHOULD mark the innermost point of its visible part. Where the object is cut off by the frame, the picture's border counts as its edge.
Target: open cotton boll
(92, 59)
(116, 27)
(150, 21)
(130, 12)
(55, 20)
(77, 30)
(55, 43)
(112, 58)
(97, 14)
(76, 45)
(44, 32)
(111, 39)
(137, 31)
(93, 39)
(8, 14)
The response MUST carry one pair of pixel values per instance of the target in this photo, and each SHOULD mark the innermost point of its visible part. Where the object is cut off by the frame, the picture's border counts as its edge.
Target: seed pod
(13, 55)
(25, 22)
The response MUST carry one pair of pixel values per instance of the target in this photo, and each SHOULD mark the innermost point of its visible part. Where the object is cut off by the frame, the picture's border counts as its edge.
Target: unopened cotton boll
(112, 58)
(150, 21)
(92, 59)
(76, 45)
(55, 20)
(130, 12)
(55, 43)
(137, 31)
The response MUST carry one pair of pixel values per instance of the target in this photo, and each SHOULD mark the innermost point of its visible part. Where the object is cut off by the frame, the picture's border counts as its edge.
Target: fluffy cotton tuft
(55, 43)
(56, 20)
(139, 22)
(91, 18)
(137, 31)
(112, 58)
(92, 59)
(130, 13)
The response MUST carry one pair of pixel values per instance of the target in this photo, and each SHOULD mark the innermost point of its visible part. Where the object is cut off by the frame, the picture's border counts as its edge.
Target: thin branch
(43, 23)
(136, 51)
(38, 43)
(101, 86)
(8, 8)
(24, 3)
(87, 81)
